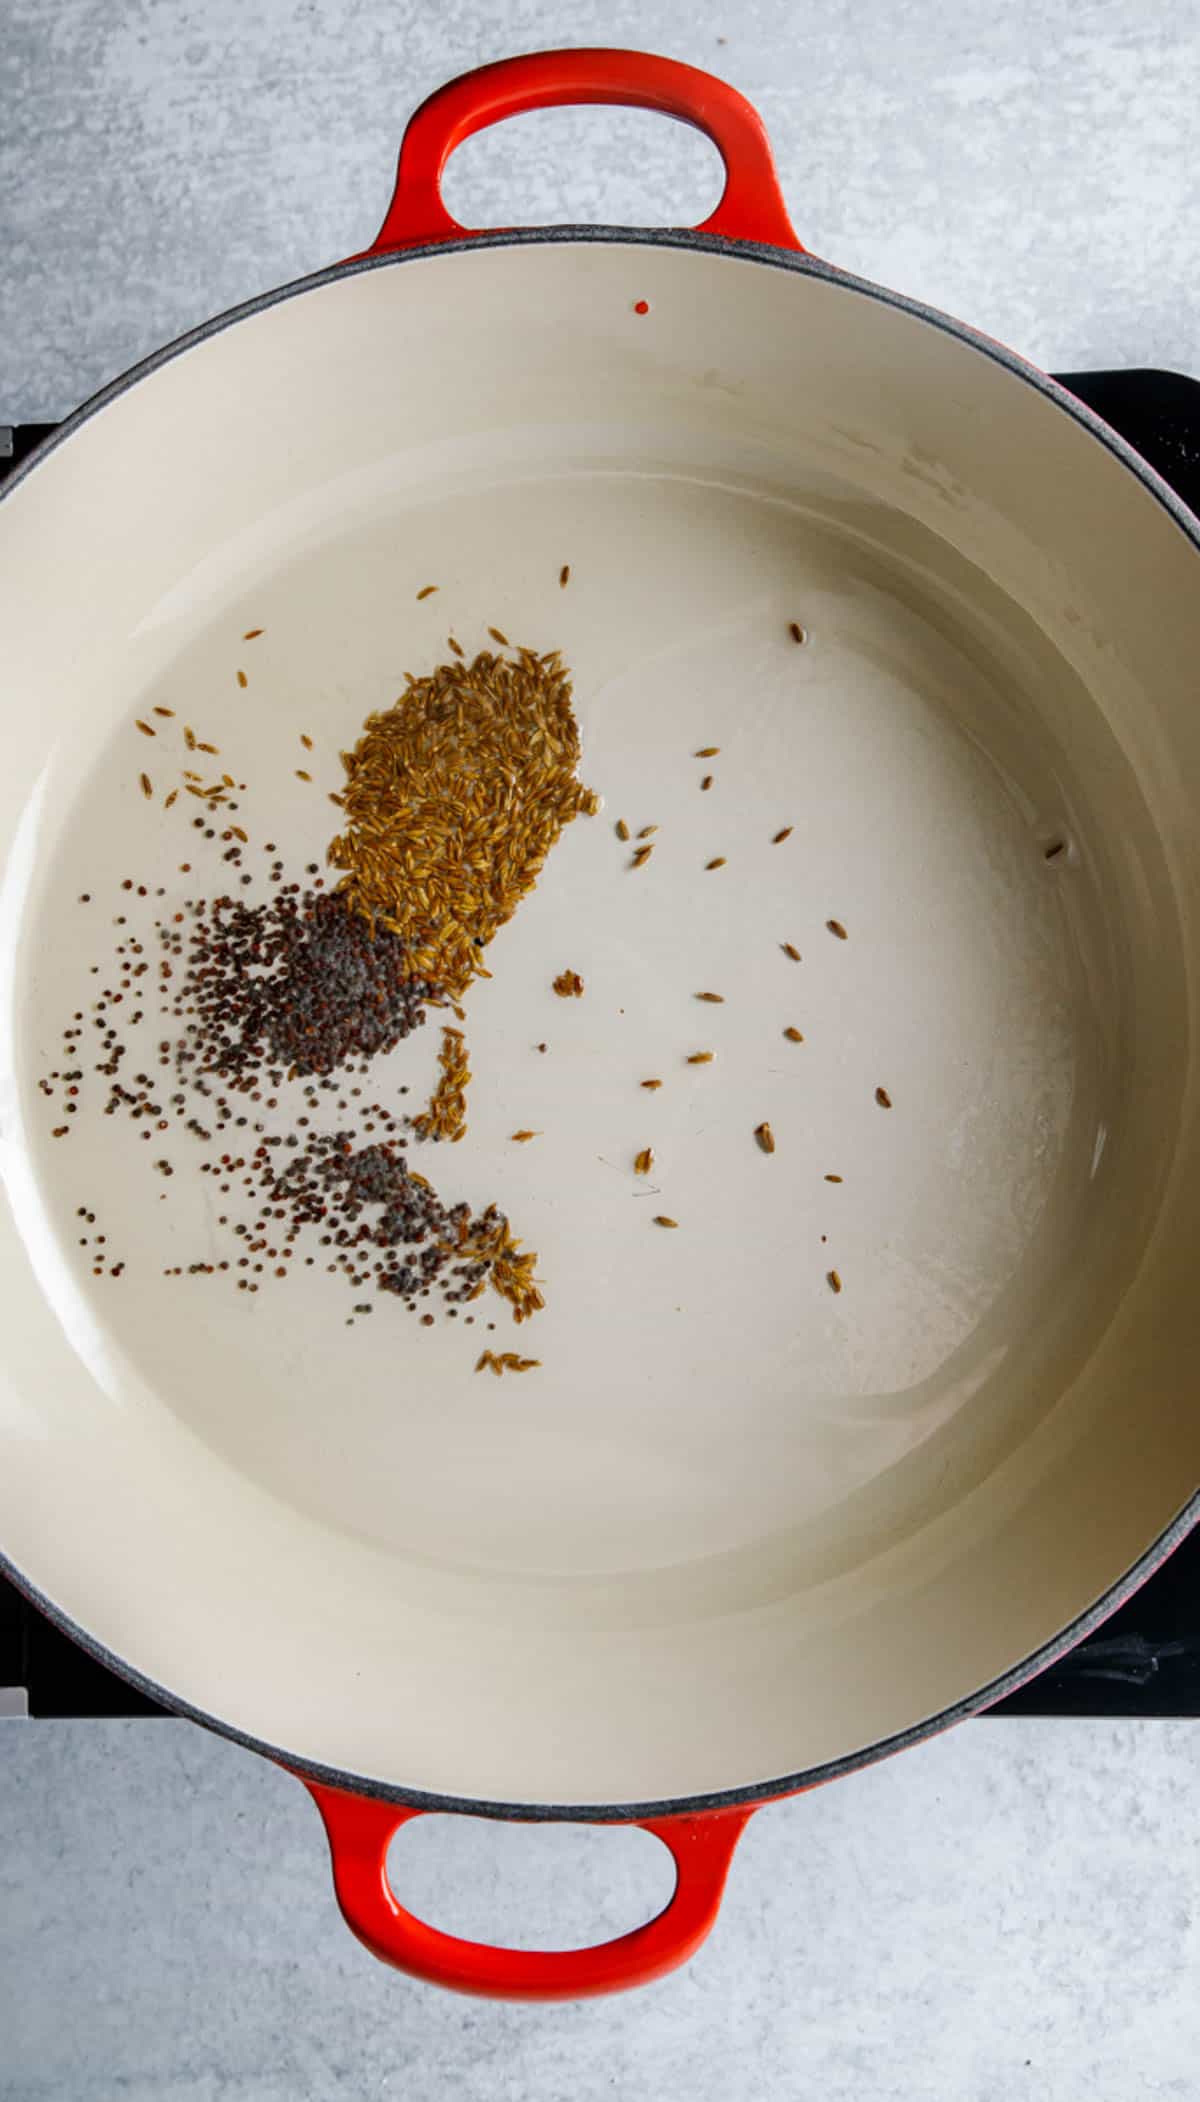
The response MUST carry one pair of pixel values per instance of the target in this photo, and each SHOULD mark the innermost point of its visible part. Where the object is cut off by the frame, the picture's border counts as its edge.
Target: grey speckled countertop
(1011, 1912)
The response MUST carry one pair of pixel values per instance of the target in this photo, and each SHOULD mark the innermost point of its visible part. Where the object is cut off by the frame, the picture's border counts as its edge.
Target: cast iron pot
(743, 1532)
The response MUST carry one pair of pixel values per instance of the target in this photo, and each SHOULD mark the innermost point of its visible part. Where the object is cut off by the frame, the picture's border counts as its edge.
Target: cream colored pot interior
(736, 1525)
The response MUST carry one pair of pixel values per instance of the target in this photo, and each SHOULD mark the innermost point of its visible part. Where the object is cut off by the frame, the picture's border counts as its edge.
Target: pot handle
(751, 206)
(360, 1829)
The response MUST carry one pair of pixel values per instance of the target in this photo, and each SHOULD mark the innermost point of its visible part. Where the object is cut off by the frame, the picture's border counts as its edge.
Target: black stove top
(1146, 1659)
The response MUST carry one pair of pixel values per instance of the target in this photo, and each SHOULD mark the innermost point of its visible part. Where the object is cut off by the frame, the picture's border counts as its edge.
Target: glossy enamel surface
(736, 1527)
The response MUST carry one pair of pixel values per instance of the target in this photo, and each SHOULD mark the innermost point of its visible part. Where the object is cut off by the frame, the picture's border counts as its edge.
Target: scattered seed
(213, 748)
(708, 751)
(621, 829)
(661, 1219)
(498, 637)
(242, 679)
(564, 576)
(569, 985)
(700, 1058)
(765, 1136)
(883, 1098)
(796, 631)
(651, 1084)
(147, 785)
(189, 737)
(781, 836)
(790, 950)
(641, 857)
(833, 1178)
(251, 634)
(794, 1036)
(453, 643)
(834, 1281)
(301, 775)
(717, 863)
(646, 831)
(168, 800)
(836, 927)
(643, 1161)
(427, 591)
(520, 1136)
(306, 742)
(239, 834)
(146, 729)
(707, 781)
(717, 999)
(163, 711)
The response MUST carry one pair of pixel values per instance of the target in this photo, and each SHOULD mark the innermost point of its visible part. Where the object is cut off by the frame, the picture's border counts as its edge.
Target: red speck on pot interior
(641, 306)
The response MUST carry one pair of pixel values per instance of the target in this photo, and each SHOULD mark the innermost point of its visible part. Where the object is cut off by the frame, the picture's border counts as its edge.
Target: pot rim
(1166, 1542)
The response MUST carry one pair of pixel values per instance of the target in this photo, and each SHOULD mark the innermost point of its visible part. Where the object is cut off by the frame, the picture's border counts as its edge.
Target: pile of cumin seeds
(509, 1269)
(454, 796)
(446, 1116)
